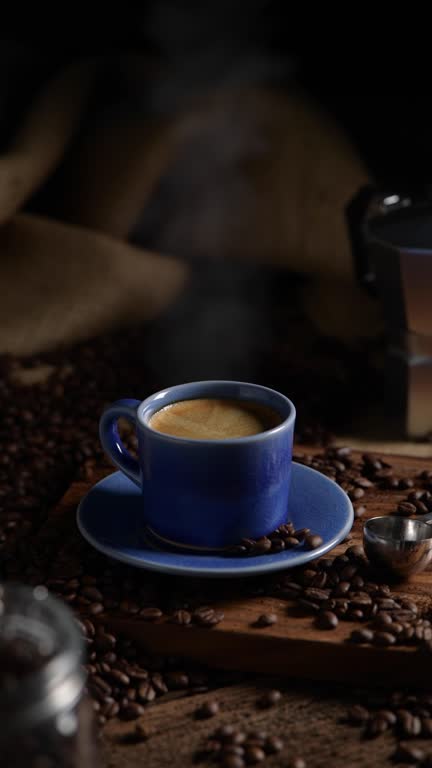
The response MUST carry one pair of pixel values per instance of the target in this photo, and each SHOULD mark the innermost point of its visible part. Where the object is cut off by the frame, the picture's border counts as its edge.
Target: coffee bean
(207, 617)
(96, 608)
(358, 715)
(91, 593)
(254, 755)
(181, 617)
(414, 495)
(104, 642)
(266, 620)
(340, 562)
(313, 541)
(273, 745)
(409, 753)
(354, 614)
(228, 734)
(308, 576)
(146, 692)
(232, 761)
(151, 614)
(384, 638)
(382, 620)
(291, 542)
(232, 749)
(355, 552)
(158, 683)
(301, 533)
(403, 616)
(237, 550)
(278, 545)
(376, 726)
(317, 595)
(427, 726)
(409, 605)
(342, 589)
(356, 493)
(112, 710)
(256, 736)
(405, 483)
(119, 678)
(363, 482)
(136, 673)
(207, 710)
(308, 605)
(269, 699)
(327, 620)
(341, 608)
(319, 580)
(224, 733)
(372, 462)
(413, 727)
(348, 573)
(176, 681)
(129, 606)
(261, 546)
(359, 511)
(405, 509)
(362, 636)
(361, 600)
(297, 762)
(387, 604)
(101, 684)
(132, 711)
(421, 507)
(388, 715)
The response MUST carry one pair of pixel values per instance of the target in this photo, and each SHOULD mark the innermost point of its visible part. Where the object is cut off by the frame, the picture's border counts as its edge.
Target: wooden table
(309, 716)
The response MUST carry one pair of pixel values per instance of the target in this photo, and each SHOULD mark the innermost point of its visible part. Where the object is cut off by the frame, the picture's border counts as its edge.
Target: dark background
(371, 70)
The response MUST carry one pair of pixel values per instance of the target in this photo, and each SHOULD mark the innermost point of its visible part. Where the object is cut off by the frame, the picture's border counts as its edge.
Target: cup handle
(111, 441)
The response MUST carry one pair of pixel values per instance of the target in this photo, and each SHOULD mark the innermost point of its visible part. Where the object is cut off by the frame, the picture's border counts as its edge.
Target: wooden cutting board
(293, 646)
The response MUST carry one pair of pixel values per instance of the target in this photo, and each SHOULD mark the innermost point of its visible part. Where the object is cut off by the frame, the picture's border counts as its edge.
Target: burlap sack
(259, 175)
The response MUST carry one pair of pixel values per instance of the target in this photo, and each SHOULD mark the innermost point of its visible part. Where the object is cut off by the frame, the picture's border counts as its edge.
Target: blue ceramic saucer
(109, 519)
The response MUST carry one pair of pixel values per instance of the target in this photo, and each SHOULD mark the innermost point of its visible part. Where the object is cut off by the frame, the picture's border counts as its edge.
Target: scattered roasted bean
(151, 614)
(409, 753)
(358, 714)
(313, 541)
(327, 620)
(266, 620)
(207, 710)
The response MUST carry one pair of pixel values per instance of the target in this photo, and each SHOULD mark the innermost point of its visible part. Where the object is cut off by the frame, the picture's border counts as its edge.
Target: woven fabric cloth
(103, 205)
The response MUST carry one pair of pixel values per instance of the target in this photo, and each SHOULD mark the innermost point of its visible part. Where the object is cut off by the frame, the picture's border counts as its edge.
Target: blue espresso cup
(206, 493)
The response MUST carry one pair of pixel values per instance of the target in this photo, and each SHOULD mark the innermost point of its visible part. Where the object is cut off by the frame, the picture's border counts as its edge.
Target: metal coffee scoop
(401, 545)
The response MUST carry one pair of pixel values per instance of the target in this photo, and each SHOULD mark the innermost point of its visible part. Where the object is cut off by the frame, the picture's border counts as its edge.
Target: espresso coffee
(214, 419)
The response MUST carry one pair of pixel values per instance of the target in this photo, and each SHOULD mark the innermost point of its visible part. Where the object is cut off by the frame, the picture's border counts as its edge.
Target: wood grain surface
(310, 714)
(293, 646)
(309, 719)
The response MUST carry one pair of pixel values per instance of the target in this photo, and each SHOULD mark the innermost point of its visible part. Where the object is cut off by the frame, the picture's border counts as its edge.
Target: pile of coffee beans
(50, 411)
(416, 503)
(355, 476)
(341, 588)
(234, 748)
(122, 680)
(284, 537)
(406, 715)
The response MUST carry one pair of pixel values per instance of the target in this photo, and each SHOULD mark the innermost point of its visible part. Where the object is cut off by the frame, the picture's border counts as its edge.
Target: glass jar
(46, 720)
